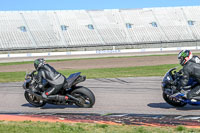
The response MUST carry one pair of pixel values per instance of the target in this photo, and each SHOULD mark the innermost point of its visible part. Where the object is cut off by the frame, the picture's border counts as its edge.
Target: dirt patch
(99, 63)
(158, 121)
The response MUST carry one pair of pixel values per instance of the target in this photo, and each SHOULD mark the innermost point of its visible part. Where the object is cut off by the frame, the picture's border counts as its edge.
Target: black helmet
(184, 56)
(38, 63)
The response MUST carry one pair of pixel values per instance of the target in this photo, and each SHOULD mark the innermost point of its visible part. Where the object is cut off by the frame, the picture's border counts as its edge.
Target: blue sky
(7, 5)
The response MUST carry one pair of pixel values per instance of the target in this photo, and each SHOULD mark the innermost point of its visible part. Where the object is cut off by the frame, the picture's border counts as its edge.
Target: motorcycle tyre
(84, 92)
(27, 97)
(173, 103)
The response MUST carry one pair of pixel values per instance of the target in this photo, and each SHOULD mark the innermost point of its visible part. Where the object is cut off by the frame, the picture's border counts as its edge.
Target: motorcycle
(78, 95)
(172, 95)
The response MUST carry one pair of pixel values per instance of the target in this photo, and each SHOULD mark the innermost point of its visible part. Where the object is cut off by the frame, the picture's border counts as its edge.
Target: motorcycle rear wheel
(173, 102)
(86, 97)
(33, 100)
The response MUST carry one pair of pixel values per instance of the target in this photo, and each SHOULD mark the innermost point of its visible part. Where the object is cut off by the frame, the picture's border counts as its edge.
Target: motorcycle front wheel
(85, 96)
(33, 100)
(173, 102)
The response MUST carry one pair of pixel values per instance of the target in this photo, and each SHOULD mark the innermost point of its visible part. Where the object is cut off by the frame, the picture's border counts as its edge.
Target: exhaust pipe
(73, 98)
(56, 97)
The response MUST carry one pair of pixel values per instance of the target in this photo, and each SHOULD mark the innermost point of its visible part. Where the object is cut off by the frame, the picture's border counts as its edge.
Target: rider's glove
(181, 71)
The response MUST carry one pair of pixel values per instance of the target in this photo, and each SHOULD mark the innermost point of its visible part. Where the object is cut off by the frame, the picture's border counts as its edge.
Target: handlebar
(31, 74)
(177, 75)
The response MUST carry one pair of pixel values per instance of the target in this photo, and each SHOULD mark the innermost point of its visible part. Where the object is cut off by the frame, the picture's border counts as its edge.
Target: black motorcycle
(78, 95)
(172, 95)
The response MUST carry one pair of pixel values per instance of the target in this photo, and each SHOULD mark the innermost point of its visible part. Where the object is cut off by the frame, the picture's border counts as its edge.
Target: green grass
(12, 76)
(141, 71)
(44, 127)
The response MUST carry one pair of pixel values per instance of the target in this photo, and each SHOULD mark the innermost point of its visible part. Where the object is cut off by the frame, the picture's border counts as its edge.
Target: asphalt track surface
(141, 95)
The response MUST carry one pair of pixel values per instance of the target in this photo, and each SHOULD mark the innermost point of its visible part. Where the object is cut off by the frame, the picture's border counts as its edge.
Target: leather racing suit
(195, 59)
(191, 70)
(55, 80)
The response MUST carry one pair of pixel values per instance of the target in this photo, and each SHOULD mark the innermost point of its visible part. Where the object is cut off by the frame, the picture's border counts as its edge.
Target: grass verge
(141, 71)
(45, 127)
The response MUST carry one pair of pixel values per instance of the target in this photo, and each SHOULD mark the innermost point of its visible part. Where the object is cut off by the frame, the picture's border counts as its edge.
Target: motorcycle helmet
(38, 63)
(184, 56)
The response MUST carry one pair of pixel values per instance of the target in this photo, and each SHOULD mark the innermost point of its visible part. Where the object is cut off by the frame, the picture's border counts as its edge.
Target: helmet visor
(181, 60)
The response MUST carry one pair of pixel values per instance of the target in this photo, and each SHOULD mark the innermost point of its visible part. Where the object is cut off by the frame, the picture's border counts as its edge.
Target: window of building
(128, 25)
(90, 26)
(190, 22)
(63, 27)
(22, 28)
(154, 24)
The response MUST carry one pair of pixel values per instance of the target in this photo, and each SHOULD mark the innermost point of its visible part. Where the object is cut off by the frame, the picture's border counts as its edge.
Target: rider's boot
(194, 94)
(193, 100)
(184, 92)
(191, 96)
(44, 96)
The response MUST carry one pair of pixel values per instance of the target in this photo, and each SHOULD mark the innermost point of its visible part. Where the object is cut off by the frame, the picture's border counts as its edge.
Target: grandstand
(116, 27)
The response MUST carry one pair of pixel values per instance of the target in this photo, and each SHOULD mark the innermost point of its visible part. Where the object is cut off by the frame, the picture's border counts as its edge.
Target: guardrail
(96, 52)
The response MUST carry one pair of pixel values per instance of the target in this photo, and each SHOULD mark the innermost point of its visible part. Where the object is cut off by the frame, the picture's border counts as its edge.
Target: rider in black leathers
(54, 78)
(195, 59)
(191, 69)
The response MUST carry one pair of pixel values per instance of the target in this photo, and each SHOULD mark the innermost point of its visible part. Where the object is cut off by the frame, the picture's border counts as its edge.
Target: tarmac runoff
(131, 101)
